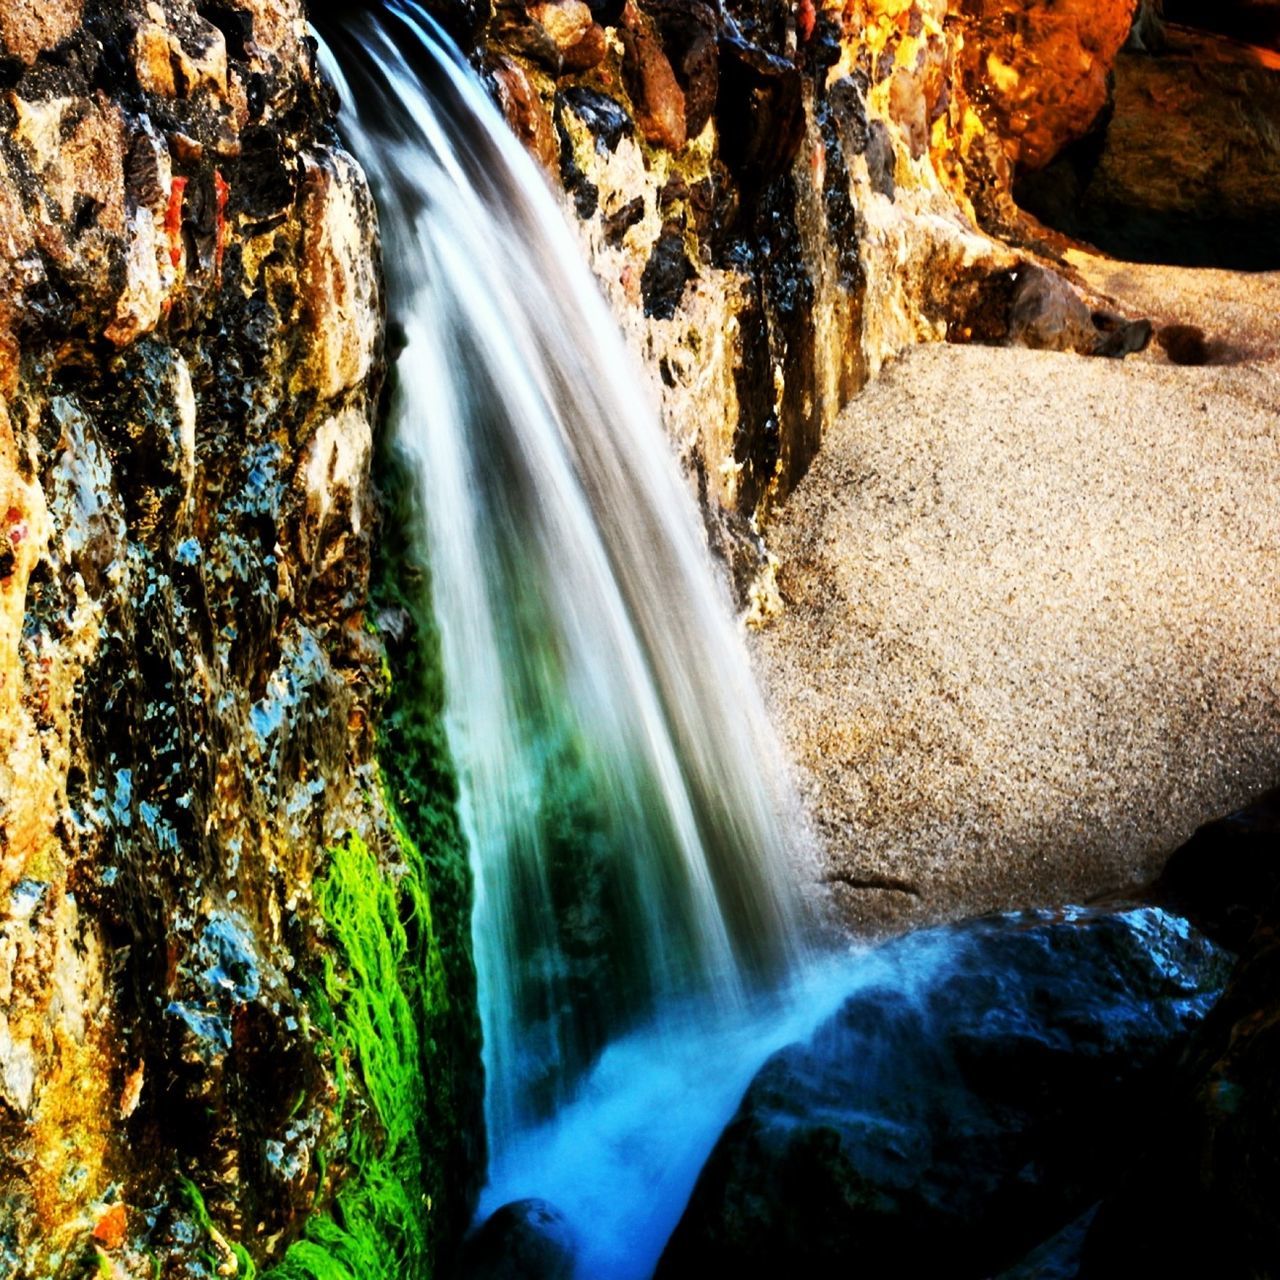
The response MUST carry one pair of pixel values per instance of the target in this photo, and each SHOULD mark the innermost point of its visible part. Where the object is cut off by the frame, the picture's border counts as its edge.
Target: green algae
(380, 990)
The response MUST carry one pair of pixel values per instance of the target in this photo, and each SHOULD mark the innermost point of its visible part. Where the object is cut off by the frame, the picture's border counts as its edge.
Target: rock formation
(202, 863)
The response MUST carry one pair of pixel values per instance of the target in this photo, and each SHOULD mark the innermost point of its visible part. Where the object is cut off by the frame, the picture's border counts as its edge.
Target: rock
(980, 1088)
(1047, 314)
(1226, 878)
(1186, 168)
(524, 1240)
(604, 116)
(1042, 66)
(565, 21)
(1058, 1258)
(658, 98)
(524, 111)
(761, 112)
(1205, 1199)
(665, 274)
(30, 27)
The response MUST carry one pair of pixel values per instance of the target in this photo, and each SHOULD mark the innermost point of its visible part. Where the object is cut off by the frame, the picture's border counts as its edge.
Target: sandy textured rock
(1031, 607)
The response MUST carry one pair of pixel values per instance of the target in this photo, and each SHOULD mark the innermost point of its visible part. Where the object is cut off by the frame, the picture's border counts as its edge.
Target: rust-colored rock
(524, 110)
(655, 91)
(1040, 68)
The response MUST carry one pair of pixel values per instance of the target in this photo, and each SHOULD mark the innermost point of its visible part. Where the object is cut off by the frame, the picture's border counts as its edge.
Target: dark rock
(984, 1087)
(1226, 878)
(665, 274)
(622, 219)
(1119, 337)
(880, 158)
(524, 1240)
(1058, 1258)
(760, 112)
(1206, 1200)
(603, 115)
(1047, 314)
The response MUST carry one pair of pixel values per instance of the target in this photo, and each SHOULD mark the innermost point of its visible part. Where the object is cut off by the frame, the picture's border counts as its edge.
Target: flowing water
(636, 895)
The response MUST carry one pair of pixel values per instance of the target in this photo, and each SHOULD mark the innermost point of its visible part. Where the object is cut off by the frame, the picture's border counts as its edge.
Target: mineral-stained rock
(980, 1088)
(190, 354)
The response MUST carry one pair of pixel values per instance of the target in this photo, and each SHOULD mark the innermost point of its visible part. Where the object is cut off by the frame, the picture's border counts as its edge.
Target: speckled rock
(190, 360)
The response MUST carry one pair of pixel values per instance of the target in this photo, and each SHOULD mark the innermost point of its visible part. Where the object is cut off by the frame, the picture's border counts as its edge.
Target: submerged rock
(980, 1092)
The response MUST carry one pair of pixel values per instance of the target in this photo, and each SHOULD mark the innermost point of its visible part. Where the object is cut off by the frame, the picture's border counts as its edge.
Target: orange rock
(29, 27)
(111, 1227)
(1041, 66)
(655, 91)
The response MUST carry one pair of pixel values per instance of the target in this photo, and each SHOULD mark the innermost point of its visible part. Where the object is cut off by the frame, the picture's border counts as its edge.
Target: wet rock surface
(983, 1086)
(190, 346)
(525, 1240)
(777, 201)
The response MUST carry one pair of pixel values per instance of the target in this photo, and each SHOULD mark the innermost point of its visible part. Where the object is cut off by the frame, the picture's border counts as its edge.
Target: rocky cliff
(222, 985)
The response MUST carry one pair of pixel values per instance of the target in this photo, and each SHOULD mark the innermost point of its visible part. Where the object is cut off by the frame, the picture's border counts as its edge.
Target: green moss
(381, 989)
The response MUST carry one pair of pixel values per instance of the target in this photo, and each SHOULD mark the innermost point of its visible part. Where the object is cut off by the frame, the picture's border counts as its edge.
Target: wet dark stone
(524, 1240)
(1055, 1259)
(985, 1086)
(1227, 876)
(788, 292)
(756, 440)
(843, 228)
(585, 193)
(760, 113)
(666, 273)
(603, 115)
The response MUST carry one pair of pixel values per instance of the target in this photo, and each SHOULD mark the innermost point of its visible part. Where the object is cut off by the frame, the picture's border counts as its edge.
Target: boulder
(1185, 170)
(524, 1240)
(978, 1092)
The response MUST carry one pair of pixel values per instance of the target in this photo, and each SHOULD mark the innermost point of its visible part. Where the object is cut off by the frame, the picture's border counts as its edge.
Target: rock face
(1184, 168)
(1205, 1199)
(200, 870)
(980, 1089)
(776, 200)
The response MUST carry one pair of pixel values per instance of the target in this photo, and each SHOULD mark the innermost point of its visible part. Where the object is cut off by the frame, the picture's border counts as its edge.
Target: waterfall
(621, 789)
